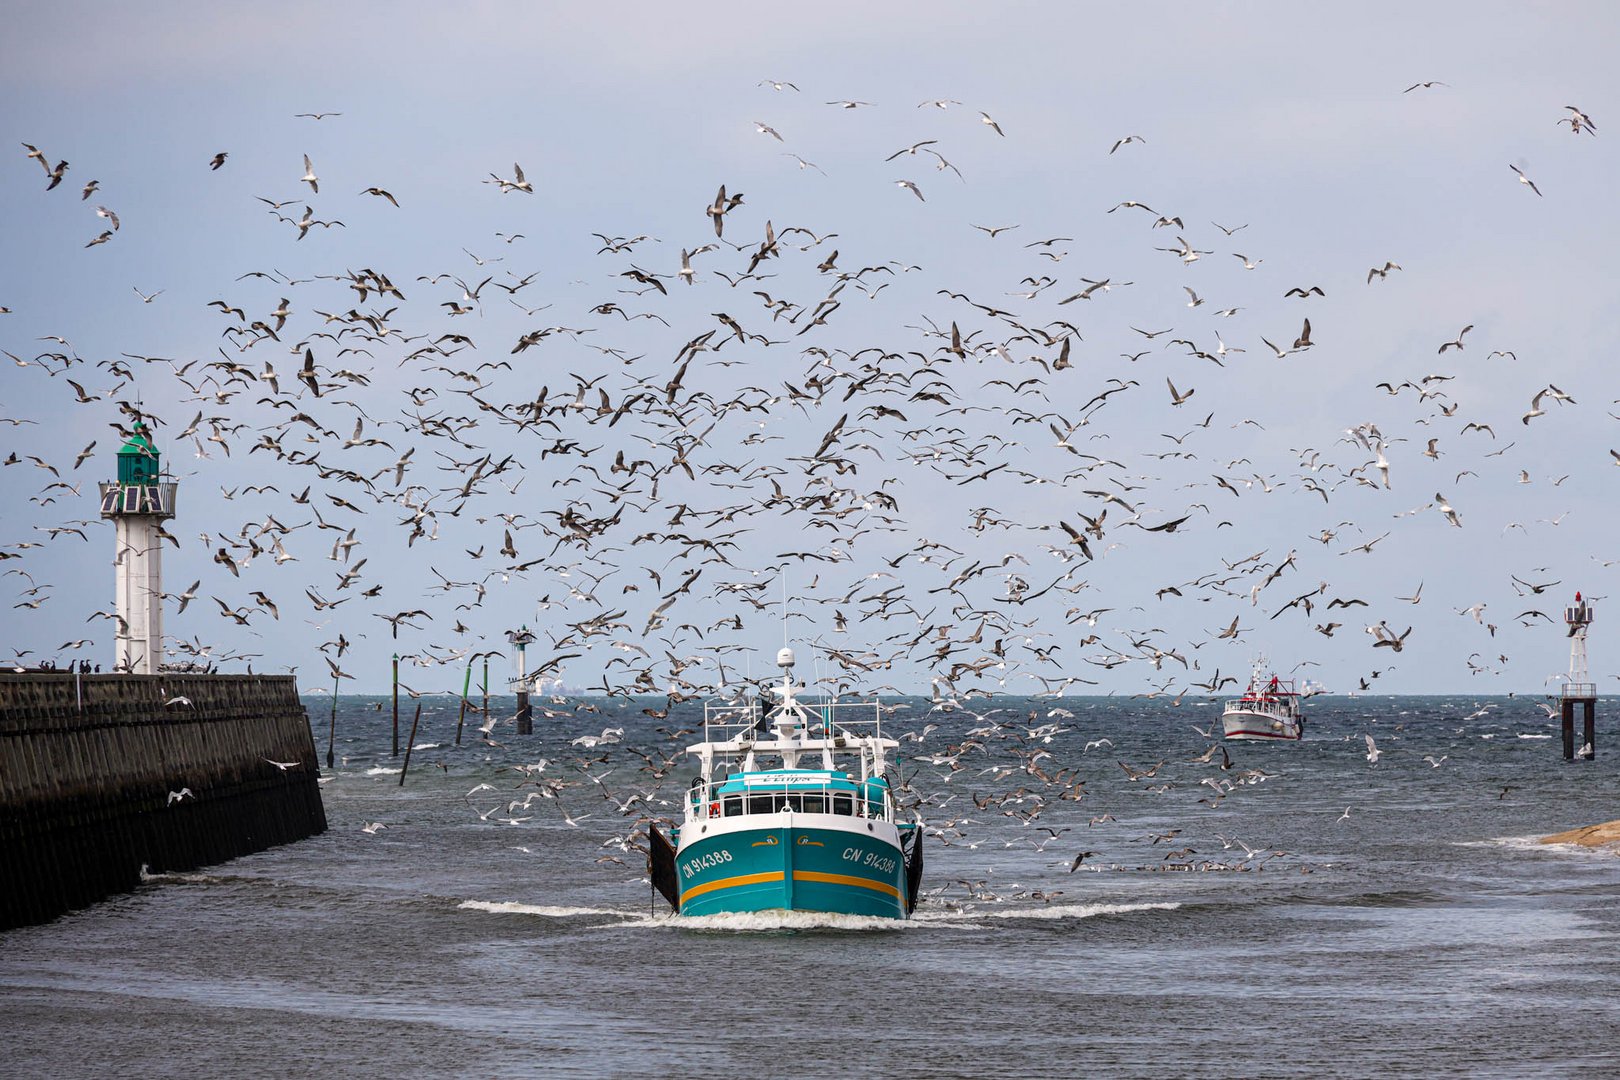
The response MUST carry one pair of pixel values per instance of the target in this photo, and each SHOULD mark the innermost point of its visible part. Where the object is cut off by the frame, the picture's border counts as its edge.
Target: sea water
(1306, 913)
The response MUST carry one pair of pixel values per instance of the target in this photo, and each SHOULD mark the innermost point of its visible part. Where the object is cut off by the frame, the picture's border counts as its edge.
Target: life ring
(714, 808)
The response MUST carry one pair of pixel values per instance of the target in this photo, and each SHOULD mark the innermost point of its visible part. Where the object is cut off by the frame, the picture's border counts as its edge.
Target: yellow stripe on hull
(731, 882)
(845, 879)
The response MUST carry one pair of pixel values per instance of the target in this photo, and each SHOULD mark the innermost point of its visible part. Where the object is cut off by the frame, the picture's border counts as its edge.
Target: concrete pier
(171, 772)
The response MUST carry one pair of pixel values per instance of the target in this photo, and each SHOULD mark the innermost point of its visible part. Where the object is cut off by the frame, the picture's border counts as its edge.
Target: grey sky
(1288, 121)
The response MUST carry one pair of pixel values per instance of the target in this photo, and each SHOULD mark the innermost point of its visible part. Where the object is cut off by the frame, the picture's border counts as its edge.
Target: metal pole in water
(410, 744)
(396, 704)
(466, 685)
(331, 732)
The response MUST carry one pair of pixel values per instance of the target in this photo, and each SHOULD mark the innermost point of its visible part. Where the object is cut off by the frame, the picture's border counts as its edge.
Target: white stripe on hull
(1257, 725)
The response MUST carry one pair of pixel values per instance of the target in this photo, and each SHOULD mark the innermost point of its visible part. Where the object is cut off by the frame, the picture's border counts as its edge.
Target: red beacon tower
(1578, 688)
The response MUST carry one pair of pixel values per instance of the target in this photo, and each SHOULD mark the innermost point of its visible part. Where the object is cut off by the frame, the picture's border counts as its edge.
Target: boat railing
(708, 800)
(1282, 703)
(726, 723)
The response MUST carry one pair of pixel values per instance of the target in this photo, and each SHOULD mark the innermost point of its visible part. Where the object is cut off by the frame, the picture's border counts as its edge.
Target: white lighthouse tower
(138, 502)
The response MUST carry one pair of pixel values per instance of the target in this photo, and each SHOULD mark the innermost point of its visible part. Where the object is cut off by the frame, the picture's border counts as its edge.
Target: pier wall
(88, 764)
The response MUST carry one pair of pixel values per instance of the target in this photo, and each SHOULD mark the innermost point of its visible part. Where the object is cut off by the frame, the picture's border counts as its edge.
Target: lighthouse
(138, 502)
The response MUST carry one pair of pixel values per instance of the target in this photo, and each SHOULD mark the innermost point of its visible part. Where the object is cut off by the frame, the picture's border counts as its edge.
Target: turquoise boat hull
(794, 868)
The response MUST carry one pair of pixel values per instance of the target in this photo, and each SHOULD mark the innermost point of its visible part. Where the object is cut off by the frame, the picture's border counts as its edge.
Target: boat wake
(777, 919)
(148, 878)
(724, 922)
(545, 911)
(746, 922)
(1044, 913)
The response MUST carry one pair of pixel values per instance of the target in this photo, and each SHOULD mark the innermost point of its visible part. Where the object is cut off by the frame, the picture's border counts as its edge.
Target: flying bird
(1578, 121)
(1523, 179)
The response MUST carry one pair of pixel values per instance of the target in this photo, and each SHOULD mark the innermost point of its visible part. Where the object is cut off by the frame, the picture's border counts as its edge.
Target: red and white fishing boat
(1268, 709)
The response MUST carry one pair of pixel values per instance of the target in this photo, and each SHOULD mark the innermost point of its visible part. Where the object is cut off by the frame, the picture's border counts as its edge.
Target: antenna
(783, 579)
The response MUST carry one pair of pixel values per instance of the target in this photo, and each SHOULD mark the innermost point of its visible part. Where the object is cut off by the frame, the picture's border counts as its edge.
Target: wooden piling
(331, 731)
(466, 685)
(411, 745)
(396, 704)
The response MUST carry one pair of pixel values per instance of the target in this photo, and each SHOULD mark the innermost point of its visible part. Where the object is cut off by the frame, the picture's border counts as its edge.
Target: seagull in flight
(1372, 755)
(1523, 179)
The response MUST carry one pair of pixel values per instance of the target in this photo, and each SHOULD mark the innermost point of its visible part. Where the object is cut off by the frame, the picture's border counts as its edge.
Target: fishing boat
(791, 810)
(1268, 709)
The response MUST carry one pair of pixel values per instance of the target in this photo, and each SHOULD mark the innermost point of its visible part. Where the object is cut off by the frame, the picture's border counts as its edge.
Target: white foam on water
(1534, 843)
(546, 911)
(147, 877)
(381, 770)
(1044, 912)
(776, 919)
(1522, 735)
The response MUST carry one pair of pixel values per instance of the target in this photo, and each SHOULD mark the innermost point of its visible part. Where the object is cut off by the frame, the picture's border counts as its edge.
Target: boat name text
(869, 858)
(704, 862)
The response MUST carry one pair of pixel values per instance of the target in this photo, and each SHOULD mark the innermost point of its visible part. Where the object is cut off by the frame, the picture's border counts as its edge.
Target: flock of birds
(717, 443)
(657, 468)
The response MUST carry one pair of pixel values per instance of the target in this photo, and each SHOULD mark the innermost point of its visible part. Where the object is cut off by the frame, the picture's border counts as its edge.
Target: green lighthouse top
(139, 461)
